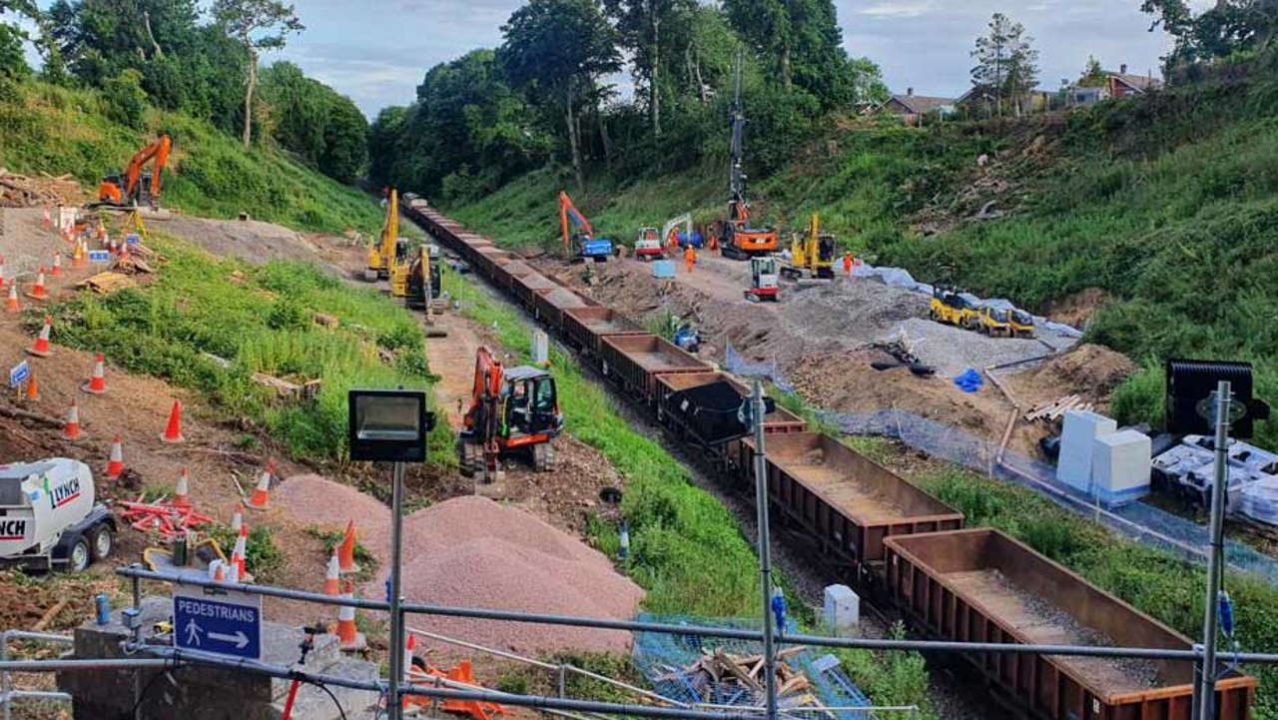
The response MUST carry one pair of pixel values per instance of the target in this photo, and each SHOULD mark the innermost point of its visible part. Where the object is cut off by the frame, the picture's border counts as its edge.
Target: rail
(7, 693)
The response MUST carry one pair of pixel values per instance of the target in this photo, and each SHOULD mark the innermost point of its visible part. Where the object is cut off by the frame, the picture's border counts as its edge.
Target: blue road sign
(222, 622)
(18, 374)
(132, 239)
(99, 257)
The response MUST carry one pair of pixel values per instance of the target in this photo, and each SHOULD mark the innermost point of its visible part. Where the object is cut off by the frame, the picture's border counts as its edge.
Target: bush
(125, 99)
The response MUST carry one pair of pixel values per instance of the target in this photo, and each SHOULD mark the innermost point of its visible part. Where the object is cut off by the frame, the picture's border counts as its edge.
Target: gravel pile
(471, 551)
(952, 350)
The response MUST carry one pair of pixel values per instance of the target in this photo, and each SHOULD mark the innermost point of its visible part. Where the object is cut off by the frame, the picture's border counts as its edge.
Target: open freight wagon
(549, 305)
(634, 362)
(983, 586)
(585, 327)
(850, 504)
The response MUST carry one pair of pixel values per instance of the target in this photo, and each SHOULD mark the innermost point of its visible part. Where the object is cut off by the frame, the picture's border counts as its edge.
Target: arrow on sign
(239, 639)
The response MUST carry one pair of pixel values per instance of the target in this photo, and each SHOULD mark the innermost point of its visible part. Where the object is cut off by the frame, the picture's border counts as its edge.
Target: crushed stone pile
(471, 551)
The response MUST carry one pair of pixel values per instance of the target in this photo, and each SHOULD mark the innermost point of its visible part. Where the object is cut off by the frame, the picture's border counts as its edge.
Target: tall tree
(1228, 26)
(994, 54)
(558, 49)
(656, 34)
(1093, 75)
(800, 40)
(1022, 68)
(258, 25)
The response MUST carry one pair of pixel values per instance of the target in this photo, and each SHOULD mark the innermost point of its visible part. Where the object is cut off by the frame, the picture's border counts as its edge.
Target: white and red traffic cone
(41, 347)
(71, 430)
(181, 492)
(115, 465)
(97, 381)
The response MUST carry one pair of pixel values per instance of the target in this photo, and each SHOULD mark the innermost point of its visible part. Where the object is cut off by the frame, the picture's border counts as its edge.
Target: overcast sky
(377, 52)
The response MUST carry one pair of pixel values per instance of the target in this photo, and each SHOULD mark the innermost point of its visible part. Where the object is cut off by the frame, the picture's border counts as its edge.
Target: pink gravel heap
(473, 552)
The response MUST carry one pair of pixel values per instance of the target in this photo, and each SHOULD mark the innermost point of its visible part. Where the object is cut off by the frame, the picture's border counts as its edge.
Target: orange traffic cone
(347, 635)
(237, 522)
(57, 265)
(78, 258)
(173, 431)
(41, 346)
(71, 430)
(410, 645)
(38, 291)
(332, 576)
(11, 305)
(239, 554)
(48, 218)
(33, 388)
(1, 271)
(97, 382)
(115, 465)
(258, 500)
(181, 496)
(346, 551)
(219, 571)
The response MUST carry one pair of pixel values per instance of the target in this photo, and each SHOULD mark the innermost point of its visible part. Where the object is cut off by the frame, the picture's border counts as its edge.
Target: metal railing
(168, 658)
(7, 693)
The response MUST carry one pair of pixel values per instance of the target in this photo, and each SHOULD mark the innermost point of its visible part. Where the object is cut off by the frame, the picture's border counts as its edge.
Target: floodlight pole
(765, 549)
(1207, 676)
(395, 705)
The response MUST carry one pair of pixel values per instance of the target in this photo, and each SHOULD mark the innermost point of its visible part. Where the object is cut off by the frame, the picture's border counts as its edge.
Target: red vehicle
(648, 245)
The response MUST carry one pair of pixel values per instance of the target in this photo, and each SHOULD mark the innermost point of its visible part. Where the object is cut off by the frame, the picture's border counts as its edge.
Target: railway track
(869, 524)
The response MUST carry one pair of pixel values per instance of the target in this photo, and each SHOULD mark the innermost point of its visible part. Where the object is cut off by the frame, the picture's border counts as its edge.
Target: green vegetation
(255, 320)
(366, 561)
(687, 551)
(58, 130)
(261, 557)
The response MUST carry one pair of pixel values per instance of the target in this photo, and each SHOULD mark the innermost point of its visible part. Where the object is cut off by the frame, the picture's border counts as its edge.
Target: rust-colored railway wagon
(524, 288)
(846, 501)
(584, 327)
(634, 362)
(673, 415)
(549, 305)
(983, 586)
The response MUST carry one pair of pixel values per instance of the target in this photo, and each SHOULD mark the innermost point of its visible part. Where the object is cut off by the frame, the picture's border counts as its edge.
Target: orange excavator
(737, 240)
(512, 411)
(135, 187)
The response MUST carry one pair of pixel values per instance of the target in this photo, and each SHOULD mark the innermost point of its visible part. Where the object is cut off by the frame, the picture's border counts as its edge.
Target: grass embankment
(56, 130)
(259, 320)
(1153, 581)
(687, 551)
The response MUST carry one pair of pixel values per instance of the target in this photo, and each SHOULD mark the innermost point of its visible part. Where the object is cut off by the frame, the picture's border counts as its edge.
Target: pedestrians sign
(222, 622)
(99, 257)
(18, 374)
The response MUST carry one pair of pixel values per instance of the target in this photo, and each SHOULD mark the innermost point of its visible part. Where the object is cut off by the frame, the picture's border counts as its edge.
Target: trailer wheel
(101, 542)
(79, 557)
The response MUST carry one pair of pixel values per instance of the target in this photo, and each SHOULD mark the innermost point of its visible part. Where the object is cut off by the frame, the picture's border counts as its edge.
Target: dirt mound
(1078, 309)
(253, 241)
(1092, 369)
(470, 551)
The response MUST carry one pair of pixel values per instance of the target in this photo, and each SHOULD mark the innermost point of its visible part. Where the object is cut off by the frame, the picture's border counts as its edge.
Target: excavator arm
(685, 220)
(124, 189)
(570, 219)
(381, 257)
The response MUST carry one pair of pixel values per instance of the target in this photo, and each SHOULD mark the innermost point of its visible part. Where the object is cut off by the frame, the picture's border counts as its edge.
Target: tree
(1093, 75)
(13, 65)
(559, 49)
(258, 25)
(1227, 27)
(1006, 63)
(802, 42)
(639, 25)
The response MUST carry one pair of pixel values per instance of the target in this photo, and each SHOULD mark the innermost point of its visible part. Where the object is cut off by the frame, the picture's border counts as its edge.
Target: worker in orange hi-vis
(689, 258)
(847, 264)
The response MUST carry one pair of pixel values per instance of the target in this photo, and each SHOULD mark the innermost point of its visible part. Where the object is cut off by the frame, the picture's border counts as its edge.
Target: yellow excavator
(812, 254)
(388, 259)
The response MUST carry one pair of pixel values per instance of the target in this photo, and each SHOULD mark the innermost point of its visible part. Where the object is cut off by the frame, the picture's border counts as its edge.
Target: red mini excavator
(511, 411)
(133, 187)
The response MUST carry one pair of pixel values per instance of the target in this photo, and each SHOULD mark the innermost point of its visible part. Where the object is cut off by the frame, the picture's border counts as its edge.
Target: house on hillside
(1111, 86)
(913, 108)
(979, 102)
